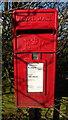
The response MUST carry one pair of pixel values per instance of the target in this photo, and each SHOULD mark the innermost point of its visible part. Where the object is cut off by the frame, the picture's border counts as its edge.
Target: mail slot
(34, 46)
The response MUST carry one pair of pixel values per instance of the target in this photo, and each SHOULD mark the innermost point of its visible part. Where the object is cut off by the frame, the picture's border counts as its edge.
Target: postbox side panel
(35, 99)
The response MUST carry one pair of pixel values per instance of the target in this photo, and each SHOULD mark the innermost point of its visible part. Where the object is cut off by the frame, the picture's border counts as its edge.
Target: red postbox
(34, 44)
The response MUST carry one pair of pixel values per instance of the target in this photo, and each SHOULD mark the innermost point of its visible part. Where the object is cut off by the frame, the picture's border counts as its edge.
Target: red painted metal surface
(35, 31)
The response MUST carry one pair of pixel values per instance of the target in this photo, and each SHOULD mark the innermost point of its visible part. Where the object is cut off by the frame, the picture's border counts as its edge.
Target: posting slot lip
(35, 31)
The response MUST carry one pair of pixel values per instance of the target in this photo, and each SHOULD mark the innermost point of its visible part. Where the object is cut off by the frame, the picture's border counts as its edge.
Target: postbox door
(32, 80)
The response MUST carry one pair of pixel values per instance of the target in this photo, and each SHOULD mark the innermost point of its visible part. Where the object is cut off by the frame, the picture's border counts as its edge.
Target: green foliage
(7, 54)
(10, 111)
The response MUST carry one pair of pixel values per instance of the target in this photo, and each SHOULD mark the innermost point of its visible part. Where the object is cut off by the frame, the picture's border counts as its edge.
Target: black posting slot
(35, 31)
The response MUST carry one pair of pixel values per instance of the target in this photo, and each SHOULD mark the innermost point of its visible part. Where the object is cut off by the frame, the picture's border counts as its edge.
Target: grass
(11, 112)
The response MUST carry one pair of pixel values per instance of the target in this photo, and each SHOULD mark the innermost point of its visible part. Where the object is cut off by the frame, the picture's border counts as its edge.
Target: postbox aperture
(34, 45)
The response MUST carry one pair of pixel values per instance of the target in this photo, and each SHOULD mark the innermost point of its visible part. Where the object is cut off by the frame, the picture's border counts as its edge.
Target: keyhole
(34, 56)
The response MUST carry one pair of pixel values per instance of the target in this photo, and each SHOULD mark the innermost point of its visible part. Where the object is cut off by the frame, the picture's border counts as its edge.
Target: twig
(8, 11)
(62, 113)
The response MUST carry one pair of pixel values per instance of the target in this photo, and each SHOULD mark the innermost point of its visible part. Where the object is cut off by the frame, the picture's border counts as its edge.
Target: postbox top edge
(34, 10)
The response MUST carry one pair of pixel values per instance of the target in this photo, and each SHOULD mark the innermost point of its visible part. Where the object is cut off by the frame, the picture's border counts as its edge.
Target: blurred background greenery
(9, 110)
